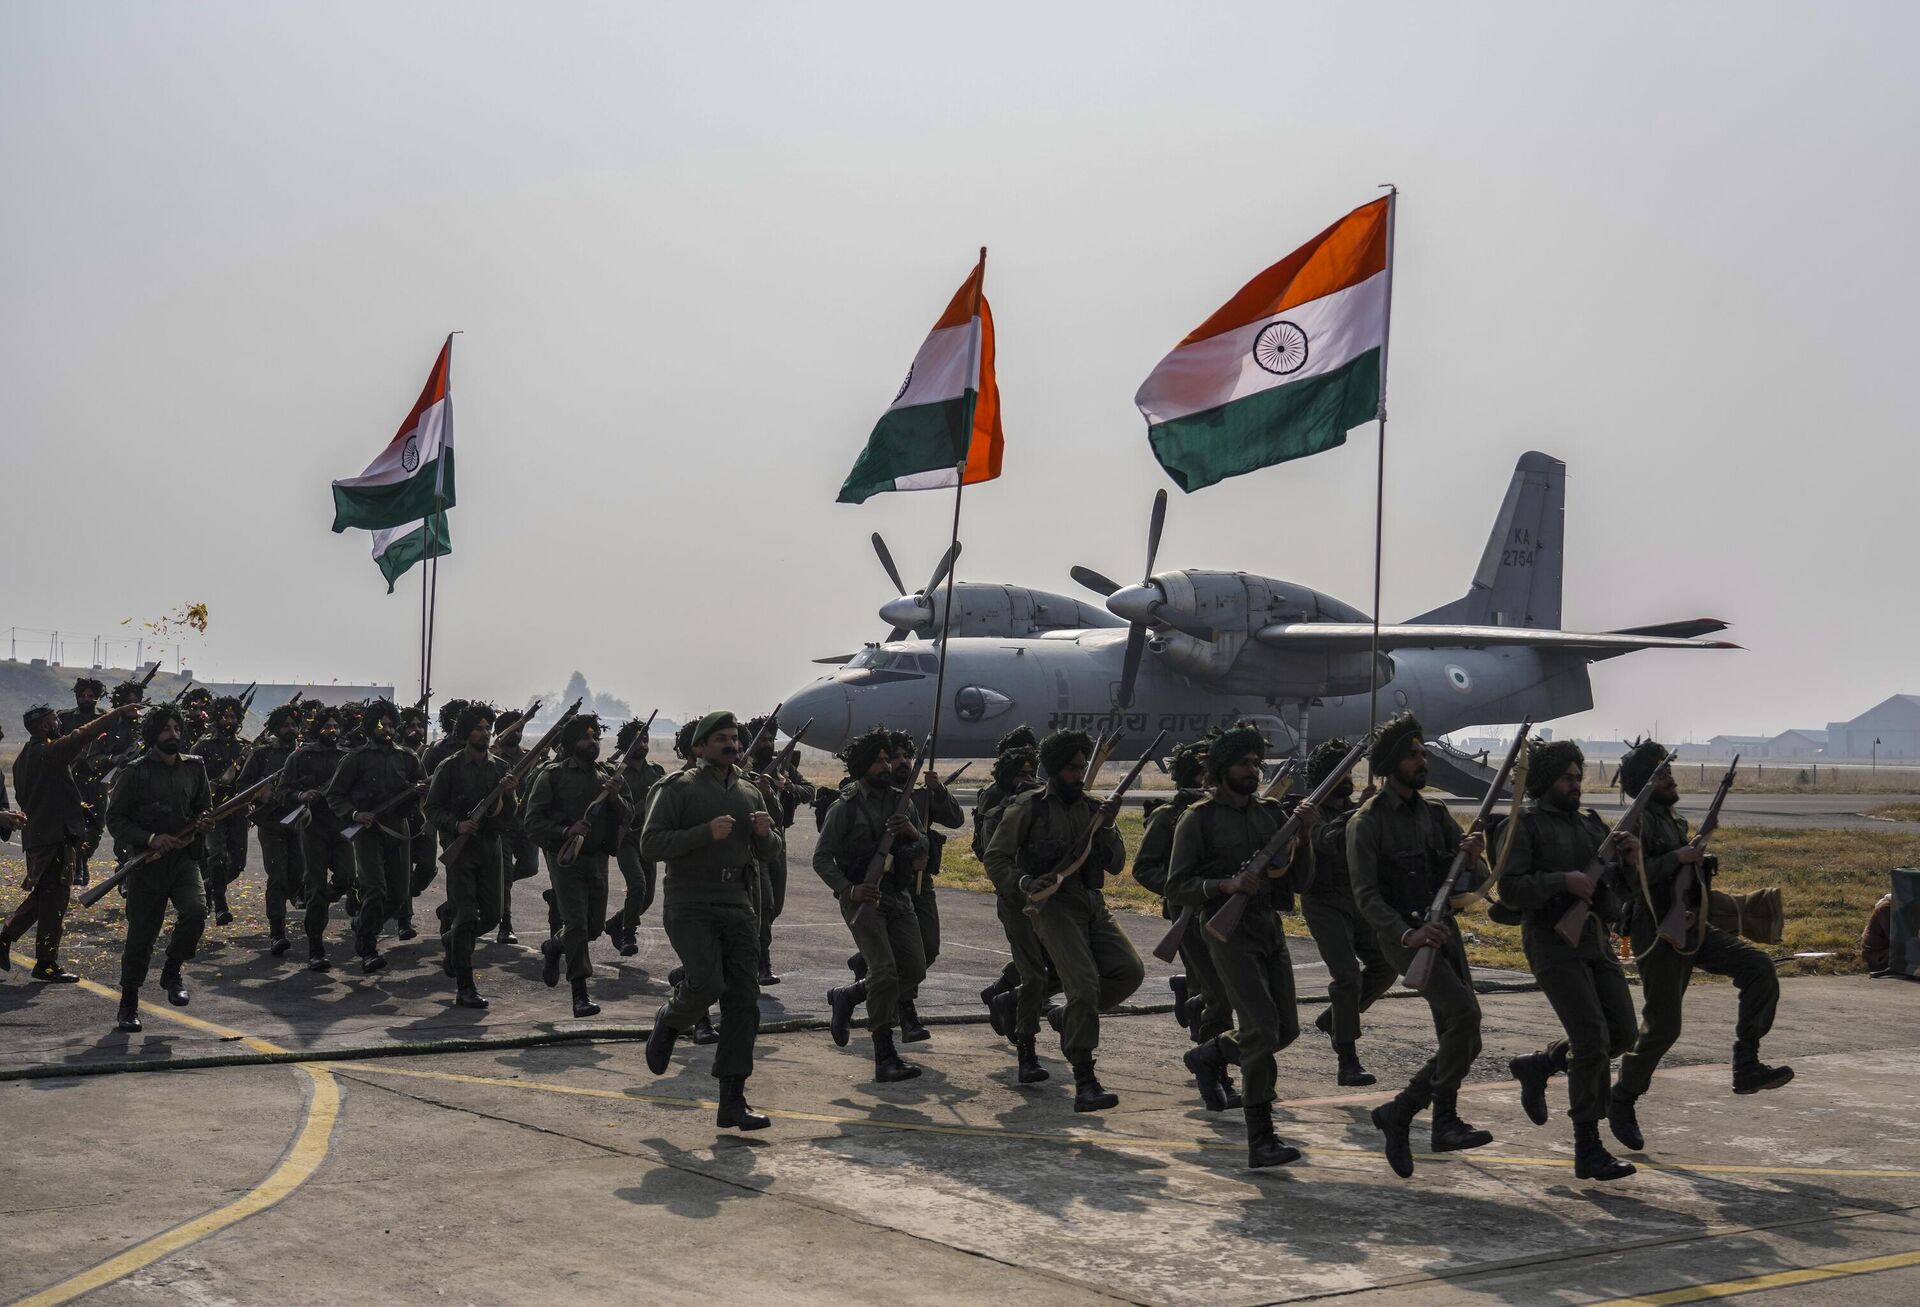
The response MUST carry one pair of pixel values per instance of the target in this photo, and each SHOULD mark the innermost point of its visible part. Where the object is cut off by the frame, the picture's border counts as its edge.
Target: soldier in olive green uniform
(420, 850)
(1358, 972)
(520, 860)
(475, 881)
(708, 824)
(449, 743)
(157, 805)
(366, 790)
(1665, 971)
(932, 806)
(575, 798)
(1207, 1014)
(784, 794)
(1553, 843)
(324, 856)
(640, 775)
(1017, 1000)
(1400, 846)
(196, 713)
(881, 915)
(1211, 844)
(90, 767)
(986, 809)
(1097, 964)
(279, 845)
(223, 752)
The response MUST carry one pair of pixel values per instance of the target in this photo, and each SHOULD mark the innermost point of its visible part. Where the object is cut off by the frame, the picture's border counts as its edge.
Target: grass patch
(1896, 811)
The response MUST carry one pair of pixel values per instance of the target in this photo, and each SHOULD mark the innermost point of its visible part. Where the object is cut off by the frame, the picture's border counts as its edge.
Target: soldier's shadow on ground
(685, 1183)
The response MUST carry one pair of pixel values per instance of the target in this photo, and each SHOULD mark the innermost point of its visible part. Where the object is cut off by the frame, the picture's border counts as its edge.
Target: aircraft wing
(1350, 637)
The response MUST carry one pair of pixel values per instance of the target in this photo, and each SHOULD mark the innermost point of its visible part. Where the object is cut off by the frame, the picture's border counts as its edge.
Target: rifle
(1573, 922)
(520, 723)
(1169, 946)
(877, 864)
(413, 791)
(771, 723)
(181, 693)
(143, 682)
(246, 697)
(574, 843)
(207, 819)
(1223, 923)
(1420, 970)
(1049, 883)
(954, 775)
(458, 845)
(1673, 926)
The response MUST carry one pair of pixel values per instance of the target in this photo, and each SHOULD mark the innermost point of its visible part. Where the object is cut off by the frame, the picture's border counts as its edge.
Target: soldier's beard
(1071, 789)
(286, 736)
(1243, 784)
(170, 745)
(1567, 802)
(587, 750)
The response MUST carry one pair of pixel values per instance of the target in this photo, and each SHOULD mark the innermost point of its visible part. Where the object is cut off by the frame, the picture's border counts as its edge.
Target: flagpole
(959, 486)
(433, 543)
(1380, 471)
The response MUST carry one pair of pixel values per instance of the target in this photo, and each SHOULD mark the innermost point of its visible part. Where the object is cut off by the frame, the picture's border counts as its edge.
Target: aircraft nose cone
(1133, 602)
(905, 612)
(826, 702)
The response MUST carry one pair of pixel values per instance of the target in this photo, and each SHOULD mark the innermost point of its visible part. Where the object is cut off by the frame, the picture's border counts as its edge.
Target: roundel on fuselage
(976, 703)
(1457, 677)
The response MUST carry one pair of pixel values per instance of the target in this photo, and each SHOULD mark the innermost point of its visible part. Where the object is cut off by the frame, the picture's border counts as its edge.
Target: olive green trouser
(475, 889)
(1203, 978)
(1664, 976)
(1257, 971)
(280, 853)
(325, 856)
(383, 869)
(226, 855)
(1097, 964)
(1456, 1023)
(1590, 996)
(888, 937)
(640, 876)
(773, 898)
(1357, 971)
(150, 889)
(426, 865)
(926, 910)
(577, 911)
(50, 877)
(1029, 959)
(719, 949)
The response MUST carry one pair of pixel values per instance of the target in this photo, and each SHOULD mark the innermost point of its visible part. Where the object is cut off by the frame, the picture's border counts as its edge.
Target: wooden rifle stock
(1573, 922)
(877, 864)
(1420, 970)
(1673, 926)
(354, 831)
(1169, 946)
(520, 723)
(458, 845)
(1222, 924)
(1047, 885)
(212, 815)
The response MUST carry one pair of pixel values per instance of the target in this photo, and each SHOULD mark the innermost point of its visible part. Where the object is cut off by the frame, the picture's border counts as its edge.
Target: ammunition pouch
(1757, 916)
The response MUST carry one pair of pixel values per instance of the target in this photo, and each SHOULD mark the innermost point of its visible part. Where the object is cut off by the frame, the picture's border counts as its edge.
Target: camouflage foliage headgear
(1011, 762)
(865, 750)
(901, 742)
(413, 716)
(1188, 765)
(577, 727)
(1638, 765)
(35, 713)
(450, 713)
(717, 720)
(683, 740)
(321, 715)
(380, 709)
(1548, 762)
(87, 683)
(226, 701)
(1322, 761)
(156, 719)
(472, 717)
(1395, 740)
(126, 692)
(279, 717)
(1058, 749)
(751, 728)
(198, 694)
(1230, 746)
(1020, 737)
(629, 732)
(507, 717)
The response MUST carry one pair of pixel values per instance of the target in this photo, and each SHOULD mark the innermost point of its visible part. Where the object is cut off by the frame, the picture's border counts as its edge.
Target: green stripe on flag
(906, 441)
(375, 508)
(402, 552)
(1274, 426)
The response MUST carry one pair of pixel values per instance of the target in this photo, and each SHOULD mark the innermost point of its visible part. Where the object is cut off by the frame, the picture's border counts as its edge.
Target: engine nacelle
(1235, 605)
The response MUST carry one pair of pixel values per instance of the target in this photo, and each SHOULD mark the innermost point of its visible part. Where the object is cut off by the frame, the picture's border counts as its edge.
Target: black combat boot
(1591, 1160)
(660, 1042)
(222, 914)
(1196, 1017)
(317, 957)
(1751, 1075)
(127, 1022)
(1031, 1072)
(1352, 1074)
(1088, 1093)
(1324, 1022)
(505, 934)
(1623, 1120)
(582, 1005)
(1234, 1101)
(1449, 1134)
(1204, 1063)
(1178, 984)
(767, 974)
(989, 998)
(887, 1066)
(1263, 1145)
(172, 985)
(6, 954)
(1394, 1120)
(52, 973)
(842, 1001)
(371, 962)
(1006, 1011)
(1533, 1071)
(703, 1031)
(467, 994)
(734, 1111)
(911, 1029)
(629, 939)
(551, 956)
(278, 943)
(406, 932)
(858, 966)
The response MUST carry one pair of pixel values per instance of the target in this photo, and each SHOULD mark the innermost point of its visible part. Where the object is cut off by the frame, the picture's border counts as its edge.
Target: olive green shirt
(1042, 828)
(151, 797)
(852, 834)
(1155, 857)
(562, 793)
(1214, 839)
(699, 867)
(1548, 843)
(1398, 851)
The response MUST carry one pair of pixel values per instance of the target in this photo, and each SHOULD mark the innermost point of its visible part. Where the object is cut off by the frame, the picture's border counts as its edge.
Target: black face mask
(170, 745)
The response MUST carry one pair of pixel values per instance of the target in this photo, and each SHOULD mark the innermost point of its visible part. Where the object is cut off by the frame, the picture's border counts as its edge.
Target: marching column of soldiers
(352, 805)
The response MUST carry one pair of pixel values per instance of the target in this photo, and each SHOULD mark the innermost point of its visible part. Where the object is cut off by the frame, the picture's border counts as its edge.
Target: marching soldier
(932, 806)
(223, 752)
(1358, 972)
(325, 858)
(1207, 1014)
(558, 813)
(784, 794)
(1211, 844)
(475, 880)
(449, 743)
(1553, 843)
(279, 845)
(887, 935)
(196, 711)
(57, 832)
(1097, 963)
(159, 802)
(1665, 971)
(366, 790)
(520, 859)
(420, 849)
(641, 774)
(1016, 1001)
(708, 823)
(1400, 845)
(986, 808)
(89, 768)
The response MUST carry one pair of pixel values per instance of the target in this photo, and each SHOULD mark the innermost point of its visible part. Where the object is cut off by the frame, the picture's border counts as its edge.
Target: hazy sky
(693, 248)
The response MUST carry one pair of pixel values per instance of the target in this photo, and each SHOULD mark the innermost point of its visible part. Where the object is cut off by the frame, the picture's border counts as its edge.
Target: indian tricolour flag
(413, 476)
(1286, 366)
(397, 548)
(947, 412)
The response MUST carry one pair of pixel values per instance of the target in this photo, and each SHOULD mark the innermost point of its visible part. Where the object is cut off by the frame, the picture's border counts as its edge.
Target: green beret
(1011, 762)
(1230, 746)
(717, 720)
(1020, 737)
(1638, 765)
(156, 720)
(1188, 766)
(1394, 741)
(1322, 761)
(1058, 749)
(1548, 762)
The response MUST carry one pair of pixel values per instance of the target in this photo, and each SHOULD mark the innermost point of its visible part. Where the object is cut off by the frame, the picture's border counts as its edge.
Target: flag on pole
(413, 476)
(1285, 367)
(397, 548)
(947, 410)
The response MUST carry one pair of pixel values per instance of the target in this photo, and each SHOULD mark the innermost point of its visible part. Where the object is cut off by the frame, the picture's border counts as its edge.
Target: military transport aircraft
(979, 607)
(1184, 651)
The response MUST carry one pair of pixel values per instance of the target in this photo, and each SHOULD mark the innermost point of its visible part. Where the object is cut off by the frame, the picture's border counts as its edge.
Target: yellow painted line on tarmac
(302, 1158)
(1773, 1280)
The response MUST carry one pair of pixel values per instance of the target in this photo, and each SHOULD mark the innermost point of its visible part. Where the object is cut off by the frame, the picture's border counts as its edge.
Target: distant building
(1894, 722)
(1797, 744)
(1747, 746)
(268, 697)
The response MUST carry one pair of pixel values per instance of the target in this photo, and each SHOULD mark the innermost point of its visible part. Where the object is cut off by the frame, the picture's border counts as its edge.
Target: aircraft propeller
(906, 612)
(1144, 606)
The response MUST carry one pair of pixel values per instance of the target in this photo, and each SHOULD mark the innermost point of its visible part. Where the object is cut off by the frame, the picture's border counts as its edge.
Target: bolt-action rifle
(458, 845)
(1573, 922)
(883, 852)
(204, 821)
(1169, 946)
(1673, 926)
(1046, 885)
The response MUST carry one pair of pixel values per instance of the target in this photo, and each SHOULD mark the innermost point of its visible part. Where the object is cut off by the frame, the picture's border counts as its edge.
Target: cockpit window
(928, 662)
(880, 660)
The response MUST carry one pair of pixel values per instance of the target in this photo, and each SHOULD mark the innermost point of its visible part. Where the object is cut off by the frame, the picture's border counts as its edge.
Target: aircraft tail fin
(1518, 580)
